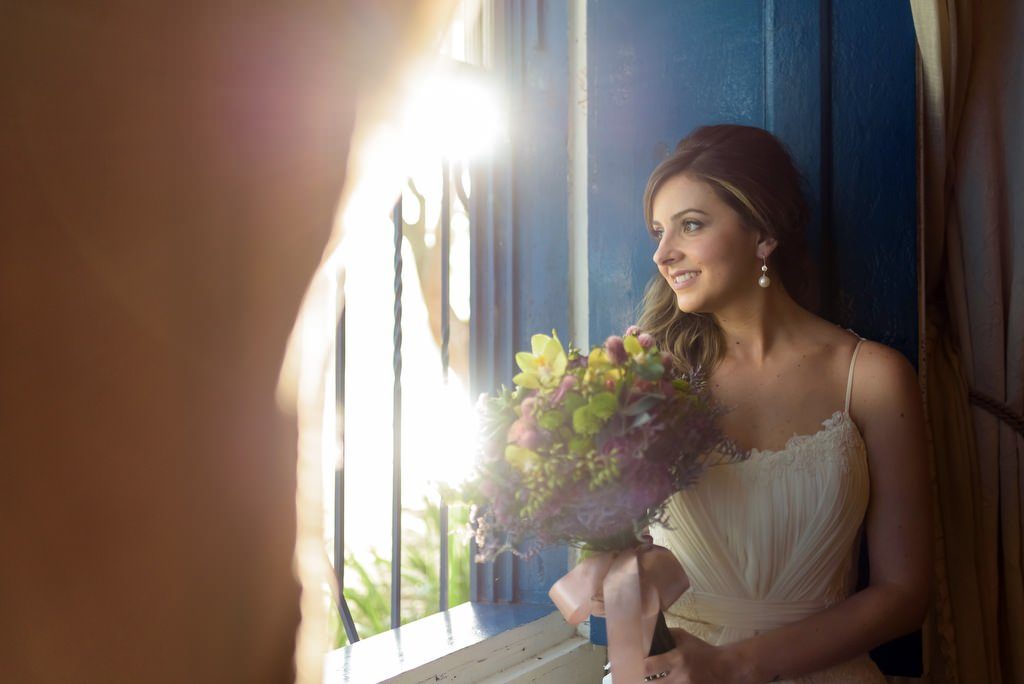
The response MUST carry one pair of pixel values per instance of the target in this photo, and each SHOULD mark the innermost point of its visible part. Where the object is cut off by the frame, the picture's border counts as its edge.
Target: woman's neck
(756, 328)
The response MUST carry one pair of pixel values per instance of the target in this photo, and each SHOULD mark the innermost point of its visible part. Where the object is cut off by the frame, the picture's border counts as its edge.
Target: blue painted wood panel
(874, 209)
(836, 84)
(655, 70)
(539, 63)
(521, 249)
(538, 150)
(796, 82)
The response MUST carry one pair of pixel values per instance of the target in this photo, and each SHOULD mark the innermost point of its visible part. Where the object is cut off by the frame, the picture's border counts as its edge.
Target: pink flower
(528, 406)
(568, 383)
(616, 350)
(645, 340)
(632, 330)
(525, 433)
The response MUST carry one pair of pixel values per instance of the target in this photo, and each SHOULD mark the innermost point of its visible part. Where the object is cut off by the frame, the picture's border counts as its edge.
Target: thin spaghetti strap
(849, 380)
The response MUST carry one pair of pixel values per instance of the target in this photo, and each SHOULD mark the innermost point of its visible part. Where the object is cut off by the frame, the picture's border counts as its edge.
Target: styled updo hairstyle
(751, 171)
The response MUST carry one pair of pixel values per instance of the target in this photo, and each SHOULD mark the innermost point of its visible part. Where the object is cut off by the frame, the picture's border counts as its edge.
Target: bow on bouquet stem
(585, 451)
(630, 588)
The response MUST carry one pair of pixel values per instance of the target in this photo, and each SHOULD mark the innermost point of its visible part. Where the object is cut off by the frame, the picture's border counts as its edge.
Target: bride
(834, 424)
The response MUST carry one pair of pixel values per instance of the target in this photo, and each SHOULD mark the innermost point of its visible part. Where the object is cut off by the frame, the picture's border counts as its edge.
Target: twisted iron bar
(446, 234)
(446, 239)
(396, 431)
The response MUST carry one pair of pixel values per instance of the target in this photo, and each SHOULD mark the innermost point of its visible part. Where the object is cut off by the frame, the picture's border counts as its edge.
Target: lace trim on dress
(798, 441)
(827, 445)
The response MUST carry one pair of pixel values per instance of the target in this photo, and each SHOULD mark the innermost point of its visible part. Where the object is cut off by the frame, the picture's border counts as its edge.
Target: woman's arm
(887, 408)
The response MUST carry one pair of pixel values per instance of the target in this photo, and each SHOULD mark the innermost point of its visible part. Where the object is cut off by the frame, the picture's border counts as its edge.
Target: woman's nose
(666, 253)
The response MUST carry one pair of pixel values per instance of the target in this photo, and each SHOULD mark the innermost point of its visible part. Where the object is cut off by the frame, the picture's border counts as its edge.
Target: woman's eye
(690, 226)
(657, 233)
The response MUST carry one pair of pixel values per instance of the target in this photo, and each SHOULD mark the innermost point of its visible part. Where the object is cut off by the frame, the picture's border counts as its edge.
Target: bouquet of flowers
(585, 450)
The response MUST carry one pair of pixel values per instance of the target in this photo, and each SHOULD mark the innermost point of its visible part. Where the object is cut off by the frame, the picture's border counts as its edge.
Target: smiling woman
(770, 544)
(726, 191)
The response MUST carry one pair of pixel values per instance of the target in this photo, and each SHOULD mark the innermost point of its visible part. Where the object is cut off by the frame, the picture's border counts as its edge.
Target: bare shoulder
(882, 370)
(886, 393)
(888, 409)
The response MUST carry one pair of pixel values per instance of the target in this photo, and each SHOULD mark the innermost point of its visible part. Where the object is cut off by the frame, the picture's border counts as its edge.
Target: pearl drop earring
(764, 280)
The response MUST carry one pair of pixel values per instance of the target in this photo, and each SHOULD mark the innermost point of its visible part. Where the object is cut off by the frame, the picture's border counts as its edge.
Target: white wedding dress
(773, 539)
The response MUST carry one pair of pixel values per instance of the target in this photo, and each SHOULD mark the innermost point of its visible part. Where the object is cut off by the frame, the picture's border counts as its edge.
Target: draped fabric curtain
(392, 43)
(973, 362)
(168, 175)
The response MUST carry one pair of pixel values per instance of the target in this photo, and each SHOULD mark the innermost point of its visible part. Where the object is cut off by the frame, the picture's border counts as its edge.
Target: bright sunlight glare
(451, 113)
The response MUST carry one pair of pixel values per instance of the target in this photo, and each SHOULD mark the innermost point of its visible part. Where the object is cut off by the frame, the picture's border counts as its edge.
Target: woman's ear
(765, 246)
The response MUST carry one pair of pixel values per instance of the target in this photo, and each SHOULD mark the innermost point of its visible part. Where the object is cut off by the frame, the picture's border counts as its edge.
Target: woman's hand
(694, 661)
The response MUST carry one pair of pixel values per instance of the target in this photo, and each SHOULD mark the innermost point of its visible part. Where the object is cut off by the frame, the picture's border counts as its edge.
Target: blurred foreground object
(170, 175)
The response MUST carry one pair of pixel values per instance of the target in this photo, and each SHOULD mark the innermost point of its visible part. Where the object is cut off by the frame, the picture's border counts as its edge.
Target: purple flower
(616, 350)
(632, 330)
(645, 340)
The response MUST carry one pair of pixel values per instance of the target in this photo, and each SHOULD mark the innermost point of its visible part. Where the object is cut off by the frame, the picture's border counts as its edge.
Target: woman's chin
(687, 303)
(688, 307)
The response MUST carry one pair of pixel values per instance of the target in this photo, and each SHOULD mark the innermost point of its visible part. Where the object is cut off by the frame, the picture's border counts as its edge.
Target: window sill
(472, 643)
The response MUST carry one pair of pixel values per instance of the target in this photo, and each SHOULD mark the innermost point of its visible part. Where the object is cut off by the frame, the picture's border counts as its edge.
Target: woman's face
(704, 251)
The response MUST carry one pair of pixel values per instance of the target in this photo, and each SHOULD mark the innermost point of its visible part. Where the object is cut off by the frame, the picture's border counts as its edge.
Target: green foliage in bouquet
(586, 448)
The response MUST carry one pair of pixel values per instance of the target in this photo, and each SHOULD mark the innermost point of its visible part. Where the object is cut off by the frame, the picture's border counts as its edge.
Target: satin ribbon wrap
(629, 588)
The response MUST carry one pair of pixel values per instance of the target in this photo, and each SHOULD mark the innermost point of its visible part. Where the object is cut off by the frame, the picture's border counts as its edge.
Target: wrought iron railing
(468, 47)
(399, 226)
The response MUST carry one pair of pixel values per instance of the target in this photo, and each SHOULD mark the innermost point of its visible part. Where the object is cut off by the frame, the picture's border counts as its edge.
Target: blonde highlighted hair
(751, 171)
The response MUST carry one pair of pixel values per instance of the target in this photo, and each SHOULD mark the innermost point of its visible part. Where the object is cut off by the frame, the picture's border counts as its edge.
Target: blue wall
(874, 208)
(835, 83)
(655, 70)
(520, 265)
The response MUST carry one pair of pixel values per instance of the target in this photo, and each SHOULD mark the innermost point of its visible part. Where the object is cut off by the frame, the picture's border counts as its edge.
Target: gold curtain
(973, 251)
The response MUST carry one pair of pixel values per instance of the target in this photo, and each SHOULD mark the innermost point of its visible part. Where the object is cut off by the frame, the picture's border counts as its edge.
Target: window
(508, 277)
(402, 359)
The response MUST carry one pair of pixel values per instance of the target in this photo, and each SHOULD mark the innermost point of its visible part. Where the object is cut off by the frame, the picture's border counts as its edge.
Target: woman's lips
(683, 279)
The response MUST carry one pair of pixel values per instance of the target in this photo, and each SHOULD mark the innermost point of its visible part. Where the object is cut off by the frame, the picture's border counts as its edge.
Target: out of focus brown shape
(169, 174)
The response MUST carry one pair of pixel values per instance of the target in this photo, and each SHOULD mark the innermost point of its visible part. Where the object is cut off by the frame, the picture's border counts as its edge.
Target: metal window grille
(470, 44)
(452, 190)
